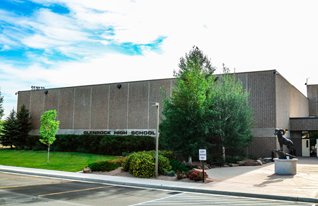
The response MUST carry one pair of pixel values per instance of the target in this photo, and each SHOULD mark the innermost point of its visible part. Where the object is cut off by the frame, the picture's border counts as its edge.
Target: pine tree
(9, 130)
(24, 126)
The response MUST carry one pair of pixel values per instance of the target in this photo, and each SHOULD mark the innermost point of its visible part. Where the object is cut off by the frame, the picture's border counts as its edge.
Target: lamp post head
(154, 104)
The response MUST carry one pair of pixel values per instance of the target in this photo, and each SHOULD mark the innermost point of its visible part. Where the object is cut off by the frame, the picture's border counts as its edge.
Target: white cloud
(104, 42)
(246, 35)
(41, 42)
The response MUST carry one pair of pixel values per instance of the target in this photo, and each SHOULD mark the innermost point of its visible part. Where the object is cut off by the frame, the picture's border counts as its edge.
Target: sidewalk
(248, 181)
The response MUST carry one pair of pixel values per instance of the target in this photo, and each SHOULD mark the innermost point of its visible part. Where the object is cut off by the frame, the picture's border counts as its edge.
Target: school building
(124, 108)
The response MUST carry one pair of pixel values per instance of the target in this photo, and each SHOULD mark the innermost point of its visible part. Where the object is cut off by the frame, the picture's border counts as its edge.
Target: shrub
(103, 166)
(252, 157)
(55, 148)
(182, 175)
(196, 176)
(35, 149)
(18, 148)
(116, 145)
(215, 159)
(31, 141)
(178, 166)
(168, 154)
(193, 175)
(171, 173)
(82, 150)
(142, 164)
(26, 148)
(119, 161)
(125, 154)
(232, 160)
(98, 144)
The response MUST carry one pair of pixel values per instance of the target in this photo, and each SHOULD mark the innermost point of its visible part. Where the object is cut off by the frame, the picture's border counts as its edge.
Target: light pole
(156, 104)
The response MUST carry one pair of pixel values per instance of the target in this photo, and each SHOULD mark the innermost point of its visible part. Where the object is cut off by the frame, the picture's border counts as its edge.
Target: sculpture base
(285, 166)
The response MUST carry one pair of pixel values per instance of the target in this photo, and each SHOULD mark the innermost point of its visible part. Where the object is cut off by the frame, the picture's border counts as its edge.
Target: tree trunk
(48, 154)
(190, 160)
(223, 152)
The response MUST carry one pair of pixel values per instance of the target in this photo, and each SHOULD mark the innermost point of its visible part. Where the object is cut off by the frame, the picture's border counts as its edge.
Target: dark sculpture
(284, 141)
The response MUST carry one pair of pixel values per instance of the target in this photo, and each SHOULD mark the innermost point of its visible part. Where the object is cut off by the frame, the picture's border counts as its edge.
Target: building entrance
(309, 144)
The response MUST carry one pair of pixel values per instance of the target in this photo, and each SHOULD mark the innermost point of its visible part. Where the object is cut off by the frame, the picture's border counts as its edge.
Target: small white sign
(202, 154)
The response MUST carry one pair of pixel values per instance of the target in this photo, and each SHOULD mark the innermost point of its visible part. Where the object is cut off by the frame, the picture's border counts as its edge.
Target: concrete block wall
(304, 124)
(290, 102)
(262, 146)
(95, 107)
(263, 100)
(296, 138)
(312, 94)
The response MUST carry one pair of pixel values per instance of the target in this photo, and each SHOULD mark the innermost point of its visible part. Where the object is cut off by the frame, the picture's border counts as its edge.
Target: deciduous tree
(201, 109)
(189, 119)
(48, 129)
(234, 112)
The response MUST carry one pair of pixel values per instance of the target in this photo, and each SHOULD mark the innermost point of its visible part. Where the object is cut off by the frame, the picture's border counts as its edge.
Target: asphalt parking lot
(21, 189)
(18, 189)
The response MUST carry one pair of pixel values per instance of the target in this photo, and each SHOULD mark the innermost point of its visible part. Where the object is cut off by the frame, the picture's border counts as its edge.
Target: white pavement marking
(143, 203)
(202, 199)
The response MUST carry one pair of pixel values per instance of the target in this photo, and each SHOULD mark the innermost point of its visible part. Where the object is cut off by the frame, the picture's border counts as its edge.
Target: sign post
(202, 157)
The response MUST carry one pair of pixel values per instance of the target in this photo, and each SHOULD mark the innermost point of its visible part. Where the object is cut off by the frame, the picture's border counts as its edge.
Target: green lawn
(63, 161)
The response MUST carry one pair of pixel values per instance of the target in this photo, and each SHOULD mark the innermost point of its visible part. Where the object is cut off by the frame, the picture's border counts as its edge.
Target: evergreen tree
(10, 130)
(24, 126)
(189, 118)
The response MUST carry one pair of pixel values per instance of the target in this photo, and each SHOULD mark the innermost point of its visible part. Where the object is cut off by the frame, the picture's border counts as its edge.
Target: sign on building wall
(139, 132)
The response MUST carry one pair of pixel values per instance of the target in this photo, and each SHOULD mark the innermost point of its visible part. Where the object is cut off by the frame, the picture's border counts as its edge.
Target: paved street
(201, 199)
(31, 190)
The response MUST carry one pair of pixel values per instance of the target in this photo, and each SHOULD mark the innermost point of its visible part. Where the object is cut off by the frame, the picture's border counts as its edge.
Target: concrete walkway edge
(181, 189)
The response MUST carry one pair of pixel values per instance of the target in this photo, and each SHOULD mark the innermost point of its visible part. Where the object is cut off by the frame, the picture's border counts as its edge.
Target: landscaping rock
(206, 166)
(87, 170)
(233, 165)
(267, 159)
(241, 163)
(250, 163)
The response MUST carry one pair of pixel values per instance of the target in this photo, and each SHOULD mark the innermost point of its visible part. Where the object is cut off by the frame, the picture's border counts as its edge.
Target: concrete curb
(181, 189)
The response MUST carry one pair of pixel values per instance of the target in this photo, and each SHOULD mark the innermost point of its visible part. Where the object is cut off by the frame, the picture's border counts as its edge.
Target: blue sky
(58, 43)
